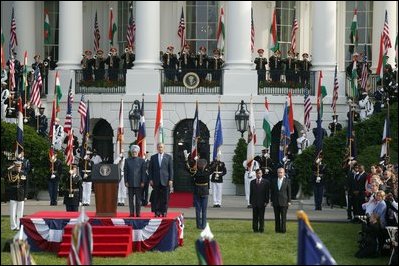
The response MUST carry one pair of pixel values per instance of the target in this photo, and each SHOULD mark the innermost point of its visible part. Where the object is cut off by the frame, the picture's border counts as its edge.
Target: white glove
(186, 154)
(318, 179)
(318, 160)
(284, 159)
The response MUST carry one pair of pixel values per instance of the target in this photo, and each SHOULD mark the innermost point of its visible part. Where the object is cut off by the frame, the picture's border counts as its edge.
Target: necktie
(280, 182)
(160, 159)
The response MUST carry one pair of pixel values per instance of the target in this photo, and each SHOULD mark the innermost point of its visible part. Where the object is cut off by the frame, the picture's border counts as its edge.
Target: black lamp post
(134, 117)
(241, 117)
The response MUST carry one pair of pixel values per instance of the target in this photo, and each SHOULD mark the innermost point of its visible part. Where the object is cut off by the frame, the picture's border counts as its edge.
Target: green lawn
(239, 245)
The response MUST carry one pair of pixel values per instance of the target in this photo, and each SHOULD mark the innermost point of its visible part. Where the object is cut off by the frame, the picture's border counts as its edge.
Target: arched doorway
(182, 136)
(102, 140)
(275, 146)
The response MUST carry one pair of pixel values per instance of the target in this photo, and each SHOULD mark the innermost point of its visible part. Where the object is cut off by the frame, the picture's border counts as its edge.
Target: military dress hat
(216, 51)
(41, 107)
(99, 51)
(291, 52)
(18, 163)
(202, 48)
(170, 47)
(277, 52)
(113, 49)
(305, 54)
(88, 52)
(355, 54)
(334, 116)
(261, 50)
(36, 56)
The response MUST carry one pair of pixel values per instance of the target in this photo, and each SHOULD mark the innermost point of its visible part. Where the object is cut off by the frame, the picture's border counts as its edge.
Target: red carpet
(181, 200)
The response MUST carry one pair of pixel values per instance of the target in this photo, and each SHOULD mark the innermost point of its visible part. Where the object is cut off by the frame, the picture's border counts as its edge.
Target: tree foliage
(240, 155)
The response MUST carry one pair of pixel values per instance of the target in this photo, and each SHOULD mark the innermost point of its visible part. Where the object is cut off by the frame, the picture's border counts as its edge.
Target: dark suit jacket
(161, 175)
(259, 194)
(134, 171)
(282, 197)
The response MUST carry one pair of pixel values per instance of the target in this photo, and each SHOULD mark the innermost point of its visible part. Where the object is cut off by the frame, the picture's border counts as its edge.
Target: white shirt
(280, 182)
(160, 157)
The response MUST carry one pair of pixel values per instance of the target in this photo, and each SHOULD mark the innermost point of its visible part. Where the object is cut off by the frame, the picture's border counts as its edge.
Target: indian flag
(266, 127)
(58, 92)
(221, 31)
(46, 27)
(158, 132)
(112, 27)
(274, 45)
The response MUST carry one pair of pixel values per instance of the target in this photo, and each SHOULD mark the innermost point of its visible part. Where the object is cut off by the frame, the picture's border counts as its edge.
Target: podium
(105, 178)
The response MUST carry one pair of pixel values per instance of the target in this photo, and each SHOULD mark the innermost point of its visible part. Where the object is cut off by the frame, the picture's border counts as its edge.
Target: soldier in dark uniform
(51, 63)
(47, 65)
(39, 64)
(144, 196)
(266, 164)
(43, 123)
(54, 179)
(30, 116)
(305, 66)
(113, 64)
(127, 58)
(99, 65)
(215, 65)
(318, 181)
(87, 65)
(169, 63)
(201, 62)
(17, 69)
(200, 173)
(334, 126)
(73, 190)
(379, 97)
(186, 62)
(17, 191)
(349, 68)
(290, 66)
(261, 63)
(11, 110)
(275, 65)
(85, 167)
(217, 180)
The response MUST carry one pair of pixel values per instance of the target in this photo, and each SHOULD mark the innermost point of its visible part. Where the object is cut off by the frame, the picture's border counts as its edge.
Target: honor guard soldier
(38, 64)
(302, 142)
(169, 63)
(11, 110)
(58, 134)
(248, 177)
(261, 63)
(5, 94)
(305, 66)
(217, 180)
(275, 65)
(17, 70)
(54, 179)
(120, 161)
(290, 67)
(43, 123)
(144, 196)
(48, 64)
(87, 65)
(334, 126)
(215, 65)
(30, 116)
(17, 190)
(201, 62)
(99, 65)
(318, 180)
(128, 58)
(73, 190)
(113, 64)
(265, 164)
(85, 166)
(186, 62)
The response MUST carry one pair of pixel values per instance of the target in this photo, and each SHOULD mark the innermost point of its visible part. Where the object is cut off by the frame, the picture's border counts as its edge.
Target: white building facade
(323, 33)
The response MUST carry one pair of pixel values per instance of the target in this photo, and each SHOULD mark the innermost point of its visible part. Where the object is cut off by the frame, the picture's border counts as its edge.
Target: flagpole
(387, 138)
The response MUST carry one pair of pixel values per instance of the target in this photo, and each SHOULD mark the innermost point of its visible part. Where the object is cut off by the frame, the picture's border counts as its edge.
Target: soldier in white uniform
(17, 185)
(85, 169)
(121, 188)
(248, 177)
(302, 142)
(58, 135)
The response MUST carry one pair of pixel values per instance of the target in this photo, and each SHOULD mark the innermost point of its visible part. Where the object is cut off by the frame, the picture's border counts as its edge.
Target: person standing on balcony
(275, 65)
(215, 65)
(113, 64)
(169, 63)
(290, 65)
(305, 66)
(87, 65)
(201, 62)
(261, 63)
(99, 65)
(186, 62)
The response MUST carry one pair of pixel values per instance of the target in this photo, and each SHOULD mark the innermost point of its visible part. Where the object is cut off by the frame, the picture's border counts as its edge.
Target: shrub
(240, 155)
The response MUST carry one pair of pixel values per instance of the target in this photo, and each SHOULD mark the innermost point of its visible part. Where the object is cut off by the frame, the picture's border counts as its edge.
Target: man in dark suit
(281, 199)
(161, 179)
(134, 174)
(259, 198)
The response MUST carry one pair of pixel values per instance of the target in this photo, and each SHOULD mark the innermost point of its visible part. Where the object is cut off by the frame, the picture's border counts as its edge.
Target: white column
(147, 35)
(238, 70)
(26, 30)
(70, 34)
(324, 35)
(238, 37)
(145, 75)
(378, 25)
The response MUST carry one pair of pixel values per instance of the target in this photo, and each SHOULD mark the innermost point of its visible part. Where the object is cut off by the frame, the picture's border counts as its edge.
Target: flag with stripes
(96, 34)
(51, 133)
(267, 141)
(252, 31)
(86, 131)
(196, 134)
(181, 30)
(24, 86)
(131, 30)
(307, 108)
(335, 92)
(386, 138)
(11, 82)
(385, 44)
(119, 135)
(13, 33)
(295, 27)
(3, 56)
(20, 128)
(220, 34)
(251, 137)
(291, 112)
(82, 110)
(81, 252)
(141, 136)
(158, 130)
(218, 137)
(68, 117)
(69, 150)
(36, 88)
(285, 135)
(365, 74)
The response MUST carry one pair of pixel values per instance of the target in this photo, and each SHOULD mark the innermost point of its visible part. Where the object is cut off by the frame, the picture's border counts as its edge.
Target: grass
(238, 244)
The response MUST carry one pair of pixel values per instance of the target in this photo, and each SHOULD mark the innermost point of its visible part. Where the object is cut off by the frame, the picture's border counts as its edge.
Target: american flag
(131, 31)
(181, 29)
(335, 91)
(365, 74)
(69, 149)
(96, 34)
(82, 110)
(141, 136)
(13, 33)
(12, 75)
(68, 118)
(307, 109)
(252, 31)
(295, 27)
(120, 128)
(385, 34)
(36, 88)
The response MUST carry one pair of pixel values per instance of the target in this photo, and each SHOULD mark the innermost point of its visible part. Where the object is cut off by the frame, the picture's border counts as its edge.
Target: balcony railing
(283, 86)
(87, 84)
(173, 82)
(371, 85)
